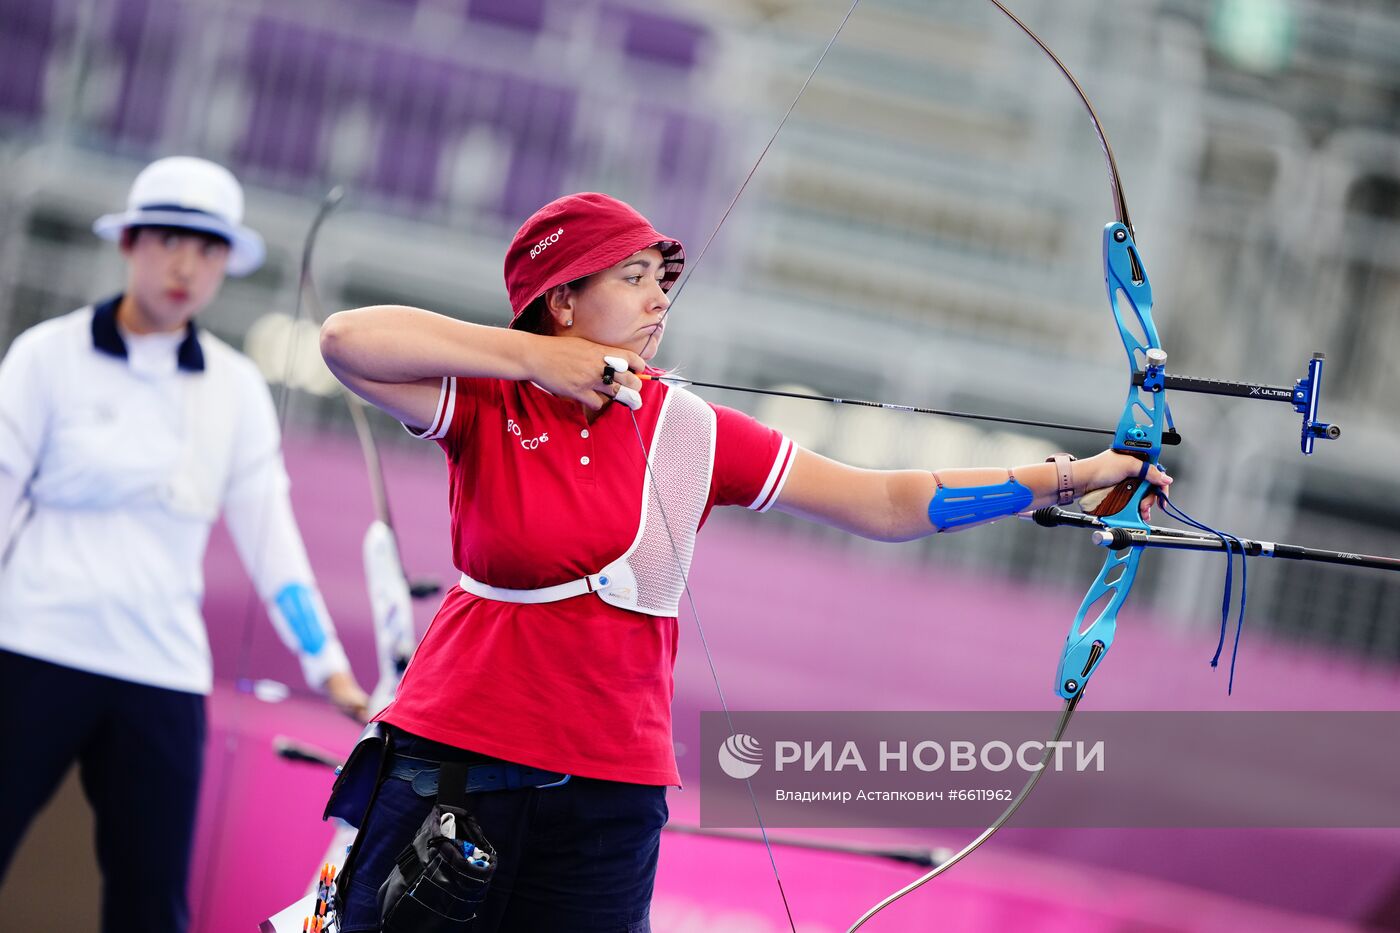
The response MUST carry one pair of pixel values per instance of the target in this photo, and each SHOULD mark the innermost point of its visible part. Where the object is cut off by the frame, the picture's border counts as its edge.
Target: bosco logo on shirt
(529, 443)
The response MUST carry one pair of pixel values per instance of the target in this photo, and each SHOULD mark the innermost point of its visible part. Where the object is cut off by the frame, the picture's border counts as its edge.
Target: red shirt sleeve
(752, 461)
(458, 402)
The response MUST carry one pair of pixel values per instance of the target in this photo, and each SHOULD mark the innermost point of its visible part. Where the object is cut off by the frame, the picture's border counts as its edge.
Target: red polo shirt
(538, 497)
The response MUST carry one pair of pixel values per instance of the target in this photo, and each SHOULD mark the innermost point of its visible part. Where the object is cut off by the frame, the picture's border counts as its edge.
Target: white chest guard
(650, 576)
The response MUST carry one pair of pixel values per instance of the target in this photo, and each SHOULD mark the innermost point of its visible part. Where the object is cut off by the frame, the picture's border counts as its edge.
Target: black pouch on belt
(442, 877)
(357, 780)
(356, 786)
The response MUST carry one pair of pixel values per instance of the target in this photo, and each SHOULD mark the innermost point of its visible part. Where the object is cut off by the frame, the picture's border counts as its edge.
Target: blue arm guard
(951, 509)
(299, 610)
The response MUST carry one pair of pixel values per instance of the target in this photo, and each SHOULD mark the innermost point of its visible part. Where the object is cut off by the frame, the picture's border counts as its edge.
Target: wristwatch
(1065, 485)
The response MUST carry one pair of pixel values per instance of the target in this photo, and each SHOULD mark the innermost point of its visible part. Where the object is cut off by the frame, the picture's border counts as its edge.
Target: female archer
(548, 669)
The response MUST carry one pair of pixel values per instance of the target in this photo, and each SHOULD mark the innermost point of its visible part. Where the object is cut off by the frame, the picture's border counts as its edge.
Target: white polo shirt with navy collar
(128, 448)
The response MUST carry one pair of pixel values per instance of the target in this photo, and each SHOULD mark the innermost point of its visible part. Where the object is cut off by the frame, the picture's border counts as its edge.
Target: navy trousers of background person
(140, 754)
(580, 857)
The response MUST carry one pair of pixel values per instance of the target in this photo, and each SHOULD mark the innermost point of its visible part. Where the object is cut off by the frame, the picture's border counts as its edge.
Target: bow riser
(1085, 647)
(1144, 414)
(1139, 433)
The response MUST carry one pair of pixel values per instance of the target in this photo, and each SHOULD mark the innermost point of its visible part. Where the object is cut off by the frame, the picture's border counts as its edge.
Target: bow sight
(1305, 396)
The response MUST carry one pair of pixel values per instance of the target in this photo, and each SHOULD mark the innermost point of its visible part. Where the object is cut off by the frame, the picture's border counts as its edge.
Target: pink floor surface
(785, 637)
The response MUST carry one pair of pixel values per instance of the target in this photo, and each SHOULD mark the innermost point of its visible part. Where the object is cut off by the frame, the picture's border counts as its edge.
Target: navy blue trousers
(580, 857)
(140, 752)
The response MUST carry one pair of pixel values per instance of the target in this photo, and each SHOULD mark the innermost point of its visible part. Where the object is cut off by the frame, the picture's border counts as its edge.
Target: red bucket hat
(575, 236)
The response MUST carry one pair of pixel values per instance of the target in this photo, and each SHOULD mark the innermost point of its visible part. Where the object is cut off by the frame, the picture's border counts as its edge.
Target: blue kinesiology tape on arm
(299, 609)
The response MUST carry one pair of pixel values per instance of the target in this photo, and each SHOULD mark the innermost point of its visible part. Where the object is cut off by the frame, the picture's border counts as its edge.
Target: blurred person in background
(553, 659)
(124, 431)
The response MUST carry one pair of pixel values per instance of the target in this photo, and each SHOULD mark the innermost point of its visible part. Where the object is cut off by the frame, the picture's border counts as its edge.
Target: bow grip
(1105, 502)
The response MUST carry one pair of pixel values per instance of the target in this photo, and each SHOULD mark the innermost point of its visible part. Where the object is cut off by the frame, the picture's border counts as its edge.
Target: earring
(568, 323)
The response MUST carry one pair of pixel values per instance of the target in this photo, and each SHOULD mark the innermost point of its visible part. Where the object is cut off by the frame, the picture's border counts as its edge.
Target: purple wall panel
(658, 38)
(26, 40)
(294, 75)
(22, 64)
(525, 15)
(145, 39)
(301, 79)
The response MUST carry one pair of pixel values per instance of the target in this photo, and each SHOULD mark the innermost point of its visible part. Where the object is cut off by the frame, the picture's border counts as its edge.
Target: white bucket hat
(181, 191)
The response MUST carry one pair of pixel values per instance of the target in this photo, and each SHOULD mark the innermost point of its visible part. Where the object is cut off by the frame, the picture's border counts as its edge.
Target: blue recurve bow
(1145, 419)
(1144, 424)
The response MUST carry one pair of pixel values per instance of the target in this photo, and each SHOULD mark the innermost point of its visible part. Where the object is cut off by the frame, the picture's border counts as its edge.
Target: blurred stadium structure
(926, 229)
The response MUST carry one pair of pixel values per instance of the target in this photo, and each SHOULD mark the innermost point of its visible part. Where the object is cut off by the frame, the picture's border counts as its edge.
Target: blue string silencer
(1226, 540)
(951, 509)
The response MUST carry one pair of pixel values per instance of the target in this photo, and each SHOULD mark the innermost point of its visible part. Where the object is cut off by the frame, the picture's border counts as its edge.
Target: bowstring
(987, 833)
(690, 267)
(646, 457)
(710, 659)
(1120, 208)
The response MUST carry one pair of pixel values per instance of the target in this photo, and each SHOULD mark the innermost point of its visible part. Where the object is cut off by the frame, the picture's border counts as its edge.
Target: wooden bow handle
(1103, 502)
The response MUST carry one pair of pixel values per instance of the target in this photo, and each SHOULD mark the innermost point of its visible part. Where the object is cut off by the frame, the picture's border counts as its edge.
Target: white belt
(546, 594)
